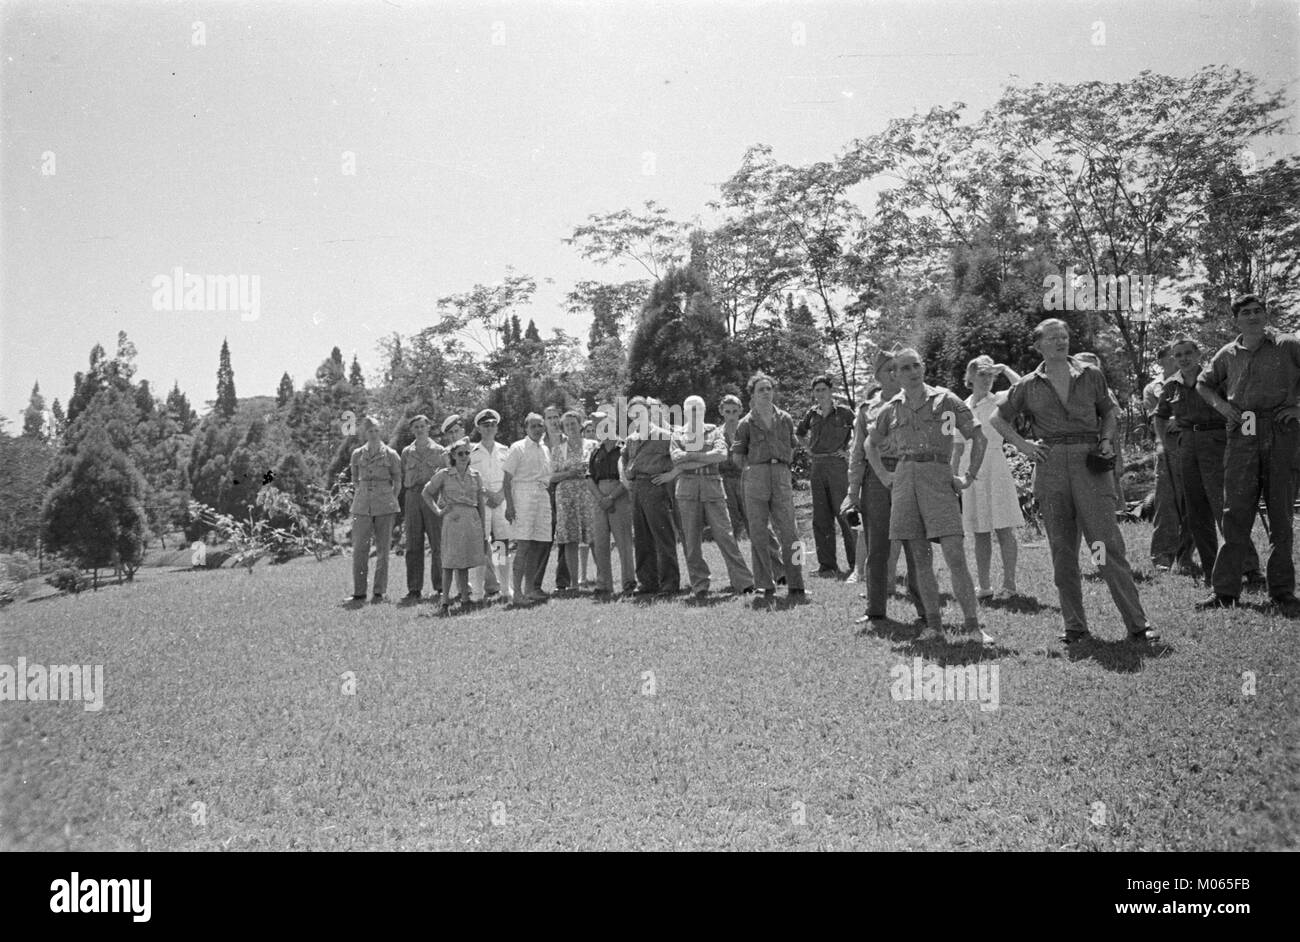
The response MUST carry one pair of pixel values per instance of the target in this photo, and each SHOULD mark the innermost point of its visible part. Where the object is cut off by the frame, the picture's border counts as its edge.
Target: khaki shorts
(925, 507)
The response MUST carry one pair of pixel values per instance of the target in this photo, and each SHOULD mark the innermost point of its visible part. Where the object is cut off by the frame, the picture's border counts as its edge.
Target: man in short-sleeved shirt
(1194, 437)
(1071, 414)
(420, 460)
(825, 430)
(1254, 384)
(918, 424)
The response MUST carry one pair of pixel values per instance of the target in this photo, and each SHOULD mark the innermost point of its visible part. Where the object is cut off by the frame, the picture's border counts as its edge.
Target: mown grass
(537, 729)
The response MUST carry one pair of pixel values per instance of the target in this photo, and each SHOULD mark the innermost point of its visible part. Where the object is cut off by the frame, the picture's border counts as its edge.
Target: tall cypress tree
(226, 401)
(34, 414)
(285, 392)
(354, 375)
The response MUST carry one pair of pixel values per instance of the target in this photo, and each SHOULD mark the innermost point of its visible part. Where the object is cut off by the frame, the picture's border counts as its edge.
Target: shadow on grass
(353, 604)
(1140, 576)
(1019, 605)
(954, 649)
(782, 603)
(1118, 657)
(708, 601)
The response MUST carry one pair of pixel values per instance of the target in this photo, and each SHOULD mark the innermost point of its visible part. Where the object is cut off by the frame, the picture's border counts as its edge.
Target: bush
(68, 579)
(18, 567)
(8, 590)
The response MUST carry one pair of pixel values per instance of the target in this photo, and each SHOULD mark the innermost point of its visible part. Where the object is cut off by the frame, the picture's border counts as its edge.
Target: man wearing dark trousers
(1171, 539)
(1254, 384)
(825, 431)
(420, 460)
(648, 468)
(1194, 437)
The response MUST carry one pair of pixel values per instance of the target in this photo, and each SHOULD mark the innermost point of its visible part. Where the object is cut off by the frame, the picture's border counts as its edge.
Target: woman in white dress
(991, 505)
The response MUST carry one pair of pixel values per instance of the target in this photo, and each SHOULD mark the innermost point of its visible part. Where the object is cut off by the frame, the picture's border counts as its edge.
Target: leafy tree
(227, 402)
(355, 376)
(649, 239)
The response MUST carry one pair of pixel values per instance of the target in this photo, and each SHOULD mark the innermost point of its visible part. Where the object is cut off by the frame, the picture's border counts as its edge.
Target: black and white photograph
(600, 425)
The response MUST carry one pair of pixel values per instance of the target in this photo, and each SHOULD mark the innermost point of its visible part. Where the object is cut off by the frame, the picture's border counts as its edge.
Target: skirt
(462, 538)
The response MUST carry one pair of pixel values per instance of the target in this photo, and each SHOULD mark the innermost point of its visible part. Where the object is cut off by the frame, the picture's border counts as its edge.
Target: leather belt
(922, 459)
(702, 472)
(1208, 427)
(1086, 439)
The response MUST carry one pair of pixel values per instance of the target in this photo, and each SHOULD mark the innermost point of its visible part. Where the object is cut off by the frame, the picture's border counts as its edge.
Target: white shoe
(852, 579)
(984, 594)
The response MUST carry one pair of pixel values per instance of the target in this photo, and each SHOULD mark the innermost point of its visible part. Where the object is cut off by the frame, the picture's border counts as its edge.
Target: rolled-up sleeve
(741, 447)
(1014, 403)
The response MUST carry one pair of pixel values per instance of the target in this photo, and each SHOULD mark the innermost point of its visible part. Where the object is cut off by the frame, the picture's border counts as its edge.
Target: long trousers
(696, 512)
(1074, 498)
(422, 523)
(615, 523)
(652, 532)
(366, 527)
(1255, 465)
(830, 483)
(769, 499)
(1200, 478)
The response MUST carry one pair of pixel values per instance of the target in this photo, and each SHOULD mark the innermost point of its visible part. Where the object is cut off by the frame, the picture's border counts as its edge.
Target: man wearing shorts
(921, 420)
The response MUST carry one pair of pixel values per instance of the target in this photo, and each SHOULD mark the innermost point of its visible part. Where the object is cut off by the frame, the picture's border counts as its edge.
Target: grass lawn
(587, 725)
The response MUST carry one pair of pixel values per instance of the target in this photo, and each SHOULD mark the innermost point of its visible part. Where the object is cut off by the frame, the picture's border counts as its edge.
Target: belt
(921, 458)
(703, 472)
(1089, 438)
(827, 456)
(1207, 427)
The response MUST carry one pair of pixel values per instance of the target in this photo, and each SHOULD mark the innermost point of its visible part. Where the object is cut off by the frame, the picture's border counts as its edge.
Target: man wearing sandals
(1072, 415)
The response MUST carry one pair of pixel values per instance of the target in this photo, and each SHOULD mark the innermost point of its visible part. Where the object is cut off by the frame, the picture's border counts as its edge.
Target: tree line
(941, 230)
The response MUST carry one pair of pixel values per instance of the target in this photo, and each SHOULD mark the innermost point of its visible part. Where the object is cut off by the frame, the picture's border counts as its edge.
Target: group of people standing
(916, 465)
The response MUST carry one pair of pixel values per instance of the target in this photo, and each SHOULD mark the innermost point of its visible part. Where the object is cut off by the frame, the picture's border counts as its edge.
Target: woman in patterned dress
(464, 545)
(990, 505)
(573, 506)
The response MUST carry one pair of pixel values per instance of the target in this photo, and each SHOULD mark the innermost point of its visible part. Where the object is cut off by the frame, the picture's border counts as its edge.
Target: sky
(354, 162)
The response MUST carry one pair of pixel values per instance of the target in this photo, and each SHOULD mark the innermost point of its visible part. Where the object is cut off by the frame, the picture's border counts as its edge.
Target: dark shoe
(601, 593)
(1255, 579)
(829, 572)
(699, 593)
(1216, 601)
(377, 597)
(747, 590)
(801, 593)
(1073, 637)
(781, 581)
(354, 598)
(769, 593)
(640, 590)
(1287, 604)
(412, 596)
(875, 621)
(1146, 635)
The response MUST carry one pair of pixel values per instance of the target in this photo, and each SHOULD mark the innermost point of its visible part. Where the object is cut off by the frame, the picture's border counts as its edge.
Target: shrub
(68, 579)
(18, 567)
(8, 590)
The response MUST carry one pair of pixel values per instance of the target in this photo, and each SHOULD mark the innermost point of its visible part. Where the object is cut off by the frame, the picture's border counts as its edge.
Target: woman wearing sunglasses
(464, 545)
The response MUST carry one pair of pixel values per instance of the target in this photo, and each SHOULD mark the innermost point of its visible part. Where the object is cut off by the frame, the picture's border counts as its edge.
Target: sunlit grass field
(726, 724)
